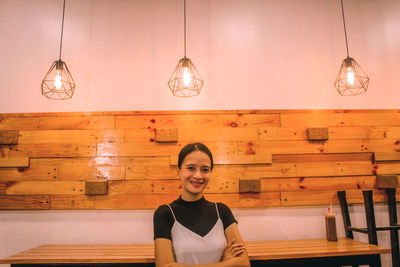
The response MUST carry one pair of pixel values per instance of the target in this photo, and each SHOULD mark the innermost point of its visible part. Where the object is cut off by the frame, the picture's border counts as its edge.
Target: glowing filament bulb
(57, 80)
(187, 76)
(350, 76)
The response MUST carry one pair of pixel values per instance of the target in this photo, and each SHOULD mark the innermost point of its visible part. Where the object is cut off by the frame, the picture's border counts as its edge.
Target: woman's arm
(165, 257)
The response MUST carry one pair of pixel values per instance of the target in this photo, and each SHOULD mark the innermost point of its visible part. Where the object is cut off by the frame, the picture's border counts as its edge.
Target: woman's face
(194, 175)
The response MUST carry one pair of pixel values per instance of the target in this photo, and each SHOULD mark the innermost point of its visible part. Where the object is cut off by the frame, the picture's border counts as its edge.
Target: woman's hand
(233, 249)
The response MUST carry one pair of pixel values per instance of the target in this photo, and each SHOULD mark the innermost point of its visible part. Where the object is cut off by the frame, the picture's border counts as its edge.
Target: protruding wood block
(386, 181)
(386, 156)
(14, 162)
(96, 188)
(317, 134)
(249, 185)
(166, 135)
(8, 137)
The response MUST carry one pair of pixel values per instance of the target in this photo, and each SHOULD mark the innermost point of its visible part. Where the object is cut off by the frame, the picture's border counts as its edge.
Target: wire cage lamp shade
(351, 80)
(185, 81)
(58, 83)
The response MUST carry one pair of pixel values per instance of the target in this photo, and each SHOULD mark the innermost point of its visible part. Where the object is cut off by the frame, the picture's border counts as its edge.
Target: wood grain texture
(45, 188)
(164, 121)
(249, 120)
(204, 134)
(144, 253)
(77, 122)
(8, 137)
(358, 132)
(318, 183)
(57, 150)
(15, 123)
(33, 173)
(14, 162)
(71, 136)
(306, 198)
(386, 156)
(270, 146)
(24, 202)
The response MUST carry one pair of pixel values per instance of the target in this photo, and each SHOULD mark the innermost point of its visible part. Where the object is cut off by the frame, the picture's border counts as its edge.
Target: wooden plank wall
(127, 160)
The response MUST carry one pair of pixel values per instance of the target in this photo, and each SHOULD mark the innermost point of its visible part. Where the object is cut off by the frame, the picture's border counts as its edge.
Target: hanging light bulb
(185, 81)
(351, 80)
(58, 83)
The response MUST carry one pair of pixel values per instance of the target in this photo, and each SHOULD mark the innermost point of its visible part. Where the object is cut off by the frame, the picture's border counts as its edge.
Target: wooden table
(312, 252)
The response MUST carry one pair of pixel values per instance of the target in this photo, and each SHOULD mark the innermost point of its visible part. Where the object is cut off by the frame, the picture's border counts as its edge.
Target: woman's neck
(190, 197)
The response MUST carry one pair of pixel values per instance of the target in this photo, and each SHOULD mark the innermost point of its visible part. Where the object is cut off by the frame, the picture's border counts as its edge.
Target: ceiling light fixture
(351, 80)
(185, 81)
(58, 83)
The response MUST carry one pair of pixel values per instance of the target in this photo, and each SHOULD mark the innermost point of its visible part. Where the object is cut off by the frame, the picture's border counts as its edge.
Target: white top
(191, 248)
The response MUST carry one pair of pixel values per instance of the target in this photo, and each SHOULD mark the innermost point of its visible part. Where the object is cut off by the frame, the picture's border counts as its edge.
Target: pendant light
(185, 81)
(351, 80)
(58, 83)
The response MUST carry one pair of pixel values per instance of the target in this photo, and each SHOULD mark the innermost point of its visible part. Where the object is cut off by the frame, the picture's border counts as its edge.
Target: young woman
(192, 231)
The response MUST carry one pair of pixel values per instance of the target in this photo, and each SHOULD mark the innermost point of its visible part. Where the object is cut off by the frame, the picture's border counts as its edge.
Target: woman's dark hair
(189, 148)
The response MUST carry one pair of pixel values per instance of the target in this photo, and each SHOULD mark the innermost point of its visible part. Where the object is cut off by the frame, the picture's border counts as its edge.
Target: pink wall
(278, 54)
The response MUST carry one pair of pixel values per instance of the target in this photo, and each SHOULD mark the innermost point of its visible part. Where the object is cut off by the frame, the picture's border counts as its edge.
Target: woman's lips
(196, 184)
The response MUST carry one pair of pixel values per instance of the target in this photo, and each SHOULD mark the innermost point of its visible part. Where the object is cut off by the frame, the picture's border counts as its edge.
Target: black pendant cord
(62, 31)
(345, 32)
(184, 26)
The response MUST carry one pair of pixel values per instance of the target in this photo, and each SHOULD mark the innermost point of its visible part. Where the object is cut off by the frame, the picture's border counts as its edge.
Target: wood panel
(165, 121)
(321, 119)
(72, 202)
(84, 172)
(357, 132)
(14, 162)
(317, 183)
(11, 123)
(24, 202)
(204, 134)
(281, 133)
(45, 188)
(386, 156)
(249, 120)
(234, 159)
(318, 157)
(71, 136)
(68, 150)
(354, 146)
(34, 173)
(150, 168)
(56, 150)
(305, 198)
(279, 147)
(77, 122)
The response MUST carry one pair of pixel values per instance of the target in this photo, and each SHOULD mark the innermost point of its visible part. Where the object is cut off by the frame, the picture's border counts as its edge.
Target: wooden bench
(312, 252)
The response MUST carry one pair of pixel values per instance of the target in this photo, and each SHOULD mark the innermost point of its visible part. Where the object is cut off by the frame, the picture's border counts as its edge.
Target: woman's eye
(190, 168)
(206, 170)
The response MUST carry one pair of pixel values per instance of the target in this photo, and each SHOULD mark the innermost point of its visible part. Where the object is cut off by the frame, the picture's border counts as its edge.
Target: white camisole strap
(173, 214)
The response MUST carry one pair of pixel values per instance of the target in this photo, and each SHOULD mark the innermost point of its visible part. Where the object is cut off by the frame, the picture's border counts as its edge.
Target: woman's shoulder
(162, 209)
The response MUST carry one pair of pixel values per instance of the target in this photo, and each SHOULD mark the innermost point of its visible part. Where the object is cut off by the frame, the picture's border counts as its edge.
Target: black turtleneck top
(198, 216)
